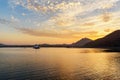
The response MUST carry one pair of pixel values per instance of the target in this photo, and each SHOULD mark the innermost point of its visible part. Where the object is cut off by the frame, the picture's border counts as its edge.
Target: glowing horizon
(57, 22)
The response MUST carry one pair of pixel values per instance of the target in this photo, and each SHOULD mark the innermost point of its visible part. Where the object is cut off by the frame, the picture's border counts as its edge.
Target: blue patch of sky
(5, 10)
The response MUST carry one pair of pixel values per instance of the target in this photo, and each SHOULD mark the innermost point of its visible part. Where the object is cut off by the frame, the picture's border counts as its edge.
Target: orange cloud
(89, 24)
(63, 34)
(64, 21)
(40, 33)
(106, 17)
(107, 30)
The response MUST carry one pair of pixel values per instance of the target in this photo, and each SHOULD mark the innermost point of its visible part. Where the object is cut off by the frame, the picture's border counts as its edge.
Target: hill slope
(81, 42)
(111, 40)
(1, 44)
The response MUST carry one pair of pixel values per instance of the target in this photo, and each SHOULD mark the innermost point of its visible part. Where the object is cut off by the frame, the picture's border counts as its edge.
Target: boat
(36, 46)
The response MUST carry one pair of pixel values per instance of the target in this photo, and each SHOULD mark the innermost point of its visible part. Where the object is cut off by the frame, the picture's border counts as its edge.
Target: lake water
(58, 64)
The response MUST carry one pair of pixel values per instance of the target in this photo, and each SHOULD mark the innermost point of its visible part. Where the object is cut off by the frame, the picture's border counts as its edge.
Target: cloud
(14, 19)
(64, 34)
(13, 22)
(89, 24)
(23, 14)
(46, 5)
(4, 21)
(39, 33)
(65, 11)
(106, 17)
(107, 30)
(67, 18)
(50, 5)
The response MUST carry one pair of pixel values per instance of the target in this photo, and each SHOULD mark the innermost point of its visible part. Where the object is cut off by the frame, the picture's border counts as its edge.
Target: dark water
(59, 64)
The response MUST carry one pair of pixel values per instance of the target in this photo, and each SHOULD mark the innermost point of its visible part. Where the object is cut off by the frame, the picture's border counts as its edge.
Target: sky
(57, 21)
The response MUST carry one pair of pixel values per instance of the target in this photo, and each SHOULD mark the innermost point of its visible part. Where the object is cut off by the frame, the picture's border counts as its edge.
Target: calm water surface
(59, 64)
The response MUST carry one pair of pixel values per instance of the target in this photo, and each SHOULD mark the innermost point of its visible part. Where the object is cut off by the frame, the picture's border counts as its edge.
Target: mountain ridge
(81, 42)
(110, 40)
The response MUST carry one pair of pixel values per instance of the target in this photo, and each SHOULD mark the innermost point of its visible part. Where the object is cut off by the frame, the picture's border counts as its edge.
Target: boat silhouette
(36, 46)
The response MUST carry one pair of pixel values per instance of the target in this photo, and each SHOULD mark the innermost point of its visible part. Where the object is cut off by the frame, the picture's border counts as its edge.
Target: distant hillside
(1, 44)
(81, 42)
(111, 40)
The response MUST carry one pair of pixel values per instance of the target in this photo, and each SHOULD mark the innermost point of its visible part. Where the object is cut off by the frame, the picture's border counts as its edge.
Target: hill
(111, 40)
(1, 44)
(81, 42)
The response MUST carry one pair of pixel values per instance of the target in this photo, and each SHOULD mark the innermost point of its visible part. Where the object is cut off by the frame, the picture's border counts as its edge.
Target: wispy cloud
(64, 34)
(39, 33)
(50, 5)
(106, 17)
(5, 21)
(63, 18)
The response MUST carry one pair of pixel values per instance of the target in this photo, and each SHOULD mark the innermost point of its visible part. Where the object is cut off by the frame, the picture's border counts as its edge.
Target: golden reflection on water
(76, 60)
(65, 63)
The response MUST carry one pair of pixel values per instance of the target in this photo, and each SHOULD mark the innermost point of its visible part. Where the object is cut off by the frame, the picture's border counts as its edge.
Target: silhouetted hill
(111, 40)
(81, 42)
(1, 44)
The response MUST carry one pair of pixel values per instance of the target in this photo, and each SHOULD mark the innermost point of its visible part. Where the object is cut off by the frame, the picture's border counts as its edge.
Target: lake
(59, 64)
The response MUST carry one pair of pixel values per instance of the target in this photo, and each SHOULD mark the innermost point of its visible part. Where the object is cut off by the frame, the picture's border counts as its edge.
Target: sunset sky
(56, 21)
